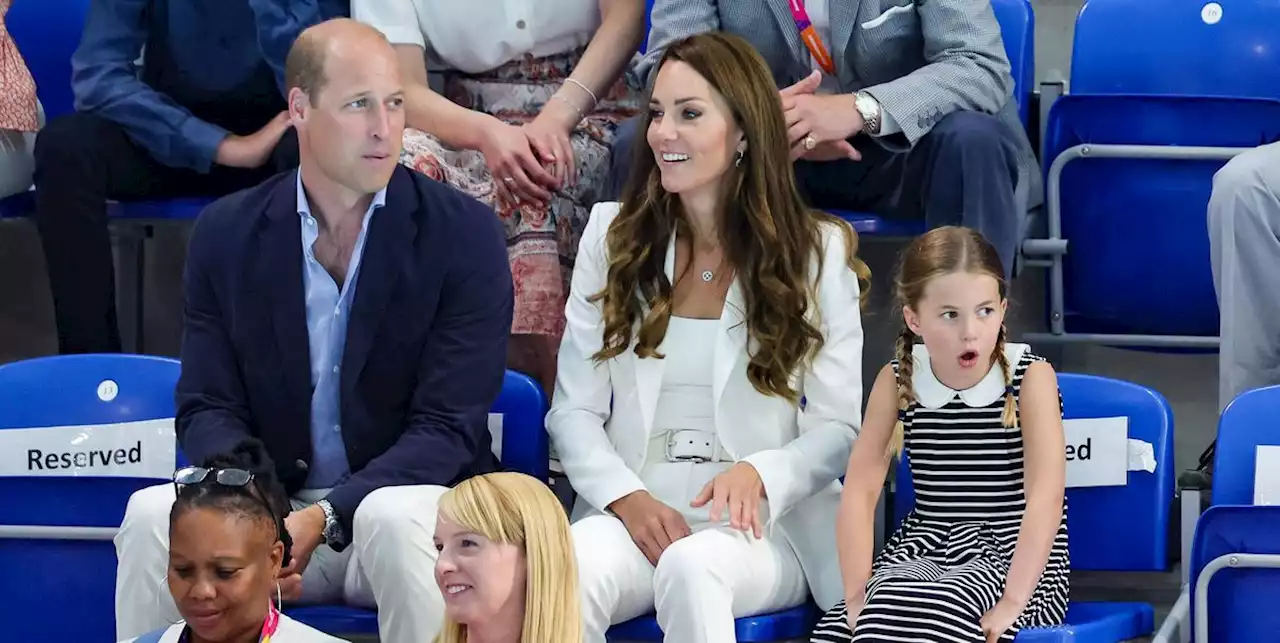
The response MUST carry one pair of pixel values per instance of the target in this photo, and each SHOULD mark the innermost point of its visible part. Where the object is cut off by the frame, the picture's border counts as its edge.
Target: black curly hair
(263, 498)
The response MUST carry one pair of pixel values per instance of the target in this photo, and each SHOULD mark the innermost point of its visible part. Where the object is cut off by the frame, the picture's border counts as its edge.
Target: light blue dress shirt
(328, 308)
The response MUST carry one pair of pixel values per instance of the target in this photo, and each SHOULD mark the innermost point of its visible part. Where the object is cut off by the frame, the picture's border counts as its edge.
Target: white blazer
(601, 415)
(289, 631)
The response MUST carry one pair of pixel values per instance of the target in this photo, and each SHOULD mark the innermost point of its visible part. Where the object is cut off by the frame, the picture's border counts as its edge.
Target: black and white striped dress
(947, 563)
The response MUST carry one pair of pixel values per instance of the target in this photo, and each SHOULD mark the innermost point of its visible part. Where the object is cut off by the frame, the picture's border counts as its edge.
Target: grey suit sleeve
(674, 20)
(966, 68)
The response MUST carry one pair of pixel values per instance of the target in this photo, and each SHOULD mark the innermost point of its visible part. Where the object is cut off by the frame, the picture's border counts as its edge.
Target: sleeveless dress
(946, 565)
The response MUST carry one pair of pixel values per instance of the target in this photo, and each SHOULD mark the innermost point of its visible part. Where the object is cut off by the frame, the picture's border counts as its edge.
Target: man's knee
(397, 515)
(70, 137)
(147, 512)
(624, 141)
(1250, 172)
(978, 135)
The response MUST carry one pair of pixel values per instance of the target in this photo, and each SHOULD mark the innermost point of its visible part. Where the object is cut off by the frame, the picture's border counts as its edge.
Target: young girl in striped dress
(984, 552)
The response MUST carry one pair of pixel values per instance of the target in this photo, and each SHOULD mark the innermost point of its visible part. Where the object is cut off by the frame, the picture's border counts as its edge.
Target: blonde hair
(520, 510)
(944, 251)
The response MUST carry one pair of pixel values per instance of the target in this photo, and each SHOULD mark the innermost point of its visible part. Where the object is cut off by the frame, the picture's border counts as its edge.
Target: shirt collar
(931, 393)
(304, 206)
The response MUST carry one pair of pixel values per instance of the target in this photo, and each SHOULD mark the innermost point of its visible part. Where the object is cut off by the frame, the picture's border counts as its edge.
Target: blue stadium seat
(1017, 28)
(1130, 155)
(524, 448)
(1140, 510)
(793, 624)
(55, 532)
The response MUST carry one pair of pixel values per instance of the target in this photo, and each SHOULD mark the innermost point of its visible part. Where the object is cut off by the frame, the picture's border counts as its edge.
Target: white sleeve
(396, 19)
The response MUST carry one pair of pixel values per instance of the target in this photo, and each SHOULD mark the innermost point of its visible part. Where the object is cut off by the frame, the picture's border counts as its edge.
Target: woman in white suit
(703, 308)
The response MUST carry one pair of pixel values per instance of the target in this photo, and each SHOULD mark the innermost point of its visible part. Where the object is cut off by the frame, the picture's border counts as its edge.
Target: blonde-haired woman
(506, 565)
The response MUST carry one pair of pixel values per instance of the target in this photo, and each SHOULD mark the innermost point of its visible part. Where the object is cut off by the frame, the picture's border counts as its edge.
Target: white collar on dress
(932, 393)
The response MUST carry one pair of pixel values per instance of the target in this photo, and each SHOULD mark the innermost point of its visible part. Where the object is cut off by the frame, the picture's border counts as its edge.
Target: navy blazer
(426, 342)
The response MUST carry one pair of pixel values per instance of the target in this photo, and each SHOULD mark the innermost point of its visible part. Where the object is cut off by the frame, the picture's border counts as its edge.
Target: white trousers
(389, 564)
(1244, 250)
(702, 582)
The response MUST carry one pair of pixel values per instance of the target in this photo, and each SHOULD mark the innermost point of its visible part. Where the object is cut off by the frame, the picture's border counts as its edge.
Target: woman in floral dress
(533, 93)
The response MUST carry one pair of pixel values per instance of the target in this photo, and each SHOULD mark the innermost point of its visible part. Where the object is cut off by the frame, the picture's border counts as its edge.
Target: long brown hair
(938, 252)
(768, 234)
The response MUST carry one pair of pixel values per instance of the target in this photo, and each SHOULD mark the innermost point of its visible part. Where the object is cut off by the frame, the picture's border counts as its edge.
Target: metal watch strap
(869, 108)
(332, 526)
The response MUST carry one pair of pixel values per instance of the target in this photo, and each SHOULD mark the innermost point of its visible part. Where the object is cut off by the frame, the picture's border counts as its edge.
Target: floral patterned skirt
(542, 242)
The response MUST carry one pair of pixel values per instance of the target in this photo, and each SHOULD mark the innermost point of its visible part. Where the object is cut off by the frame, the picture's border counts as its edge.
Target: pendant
(707, 275)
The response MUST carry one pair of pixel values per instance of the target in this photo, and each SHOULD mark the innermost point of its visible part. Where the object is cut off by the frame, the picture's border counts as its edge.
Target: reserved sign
(1097, 451)
(129, 450)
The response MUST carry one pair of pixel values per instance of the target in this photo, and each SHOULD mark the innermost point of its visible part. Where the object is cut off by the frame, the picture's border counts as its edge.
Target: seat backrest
(1017, 29)
(1249, 421)
(1097, 515)
(47, 33)
(1181, 47)
(60, 399)
(1241, 599)
(516, 420)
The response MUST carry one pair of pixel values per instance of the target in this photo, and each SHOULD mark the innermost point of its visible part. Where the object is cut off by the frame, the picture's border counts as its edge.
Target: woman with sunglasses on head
(227, 544)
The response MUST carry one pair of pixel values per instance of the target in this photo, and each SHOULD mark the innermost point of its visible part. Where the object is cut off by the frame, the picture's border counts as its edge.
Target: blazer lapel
(280, 268)
(391, 235)
(731, 342)
(782, 12)
(844, 15)
(649, 371)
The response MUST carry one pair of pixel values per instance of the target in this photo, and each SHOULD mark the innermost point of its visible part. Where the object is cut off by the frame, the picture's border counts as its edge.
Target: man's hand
(653, 526)
(252, 151)
(306, 527)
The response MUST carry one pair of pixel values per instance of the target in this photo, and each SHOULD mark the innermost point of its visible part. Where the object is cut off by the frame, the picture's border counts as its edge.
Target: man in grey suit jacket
(912, 115)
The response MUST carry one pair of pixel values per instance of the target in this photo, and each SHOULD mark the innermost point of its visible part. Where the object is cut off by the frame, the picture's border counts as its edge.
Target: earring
(161, 610)
(279, 600)
(738, 162)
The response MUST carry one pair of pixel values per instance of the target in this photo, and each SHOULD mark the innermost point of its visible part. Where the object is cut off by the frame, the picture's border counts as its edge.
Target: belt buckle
(696, 459)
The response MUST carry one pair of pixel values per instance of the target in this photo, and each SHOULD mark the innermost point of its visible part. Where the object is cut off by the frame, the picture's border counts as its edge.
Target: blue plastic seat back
(47, 33)
(1139, 510)
(525, 443)
(1249, 421)
(1138, 260)
(45, 580)
(1017, 29)
(1241, 601)
(1176, 47)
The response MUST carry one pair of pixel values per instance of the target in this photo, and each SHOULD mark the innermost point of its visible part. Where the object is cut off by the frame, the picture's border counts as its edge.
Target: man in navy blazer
(352, 317)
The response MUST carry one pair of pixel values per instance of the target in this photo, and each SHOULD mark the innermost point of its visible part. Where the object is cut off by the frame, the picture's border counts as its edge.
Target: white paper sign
(1266, 475)
(129, 450)
(1097, 451)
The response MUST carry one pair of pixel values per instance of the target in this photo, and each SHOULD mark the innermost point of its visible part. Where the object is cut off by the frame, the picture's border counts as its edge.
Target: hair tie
(1008, 390)
(902, 415)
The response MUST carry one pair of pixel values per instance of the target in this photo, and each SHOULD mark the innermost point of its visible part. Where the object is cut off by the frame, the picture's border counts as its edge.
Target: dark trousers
(82, 160)
(963, 172)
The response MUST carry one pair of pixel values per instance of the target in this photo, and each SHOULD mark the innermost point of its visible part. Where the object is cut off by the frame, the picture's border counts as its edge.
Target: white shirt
(289, 631)
(476, 36)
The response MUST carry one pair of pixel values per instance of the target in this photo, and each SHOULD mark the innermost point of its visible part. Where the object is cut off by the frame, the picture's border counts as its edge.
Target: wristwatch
(332, 532)
(869, 108)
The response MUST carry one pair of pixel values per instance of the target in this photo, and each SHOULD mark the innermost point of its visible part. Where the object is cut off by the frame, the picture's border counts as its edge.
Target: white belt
(688, 445)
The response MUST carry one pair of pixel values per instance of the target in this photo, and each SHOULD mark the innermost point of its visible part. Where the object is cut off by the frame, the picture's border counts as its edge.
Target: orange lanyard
(809, 34)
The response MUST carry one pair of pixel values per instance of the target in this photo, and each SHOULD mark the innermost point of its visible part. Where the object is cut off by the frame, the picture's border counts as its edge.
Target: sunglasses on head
(187, 476)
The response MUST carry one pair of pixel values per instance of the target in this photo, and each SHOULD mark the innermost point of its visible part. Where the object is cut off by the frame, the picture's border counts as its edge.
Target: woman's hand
(517, 174)
(549, 136)
(824, 117)
(739, 489)
(999, 619)
(653, 526)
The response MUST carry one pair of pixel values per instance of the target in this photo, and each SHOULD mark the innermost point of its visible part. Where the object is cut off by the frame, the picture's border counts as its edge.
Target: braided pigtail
(1010, 415)
(906, 395)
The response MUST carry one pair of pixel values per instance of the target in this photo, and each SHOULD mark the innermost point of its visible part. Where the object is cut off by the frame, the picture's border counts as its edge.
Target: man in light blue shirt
(328, 305)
